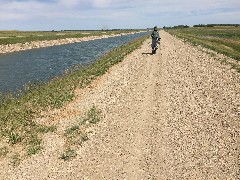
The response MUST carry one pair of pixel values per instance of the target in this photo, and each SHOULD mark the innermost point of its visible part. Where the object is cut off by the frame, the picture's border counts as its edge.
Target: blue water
(20, 68)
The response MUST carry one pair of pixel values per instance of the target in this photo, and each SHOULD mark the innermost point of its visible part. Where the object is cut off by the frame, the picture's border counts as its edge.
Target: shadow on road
(147, 53)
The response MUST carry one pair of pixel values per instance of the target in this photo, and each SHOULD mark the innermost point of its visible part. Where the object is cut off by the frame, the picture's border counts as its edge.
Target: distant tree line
(176, 27)
(212, 25)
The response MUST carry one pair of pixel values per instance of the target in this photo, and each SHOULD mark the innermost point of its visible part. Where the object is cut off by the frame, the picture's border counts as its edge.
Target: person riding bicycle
(155, 39)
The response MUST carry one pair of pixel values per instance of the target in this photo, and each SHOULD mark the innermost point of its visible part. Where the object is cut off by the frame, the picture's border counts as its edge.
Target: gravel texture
(173, 115)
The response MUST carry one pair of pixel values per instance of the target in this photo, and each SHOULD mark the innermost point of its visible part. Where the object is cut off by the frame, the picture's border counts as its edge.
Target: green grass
(13, 37)
(225, 40)
(46, 129)
(15, 159)
(76, 134)
(3, 151)
(68, 154)
(17, 113)
(92, 116)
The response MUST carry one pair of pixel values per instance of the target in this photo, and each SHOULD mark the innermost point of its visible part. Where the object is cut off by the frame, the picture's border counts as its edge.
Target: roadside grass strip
(224, 40)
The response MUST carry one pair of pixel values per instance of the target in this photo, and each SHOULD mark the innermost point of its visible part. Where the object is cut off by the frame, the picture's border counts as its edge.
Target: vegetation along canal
(20, 68)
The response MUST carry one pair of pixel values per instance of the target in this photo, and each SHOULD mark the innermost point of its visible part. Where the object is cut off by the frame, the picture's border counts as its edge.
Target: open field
(225, 40)
(13, 37)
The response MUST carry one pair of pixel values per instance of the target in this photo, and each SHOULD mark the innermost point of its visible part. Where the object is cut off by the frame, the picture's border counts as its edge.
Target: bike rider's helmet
(155, 28)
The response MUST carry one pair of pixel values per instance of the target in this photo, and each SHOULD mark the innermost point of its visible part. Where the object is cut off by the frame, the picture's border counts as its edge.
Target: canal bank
(48, 43)
(42, 64)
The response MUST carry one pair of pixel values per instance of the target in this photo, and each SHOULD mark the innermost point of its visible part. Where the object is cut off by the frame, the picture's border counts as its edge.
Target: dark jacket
(155, 35)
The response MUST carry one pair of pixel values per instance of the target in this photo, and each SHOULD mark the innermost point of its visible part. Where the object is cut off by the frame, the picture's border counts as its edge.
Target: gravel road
(173, 115)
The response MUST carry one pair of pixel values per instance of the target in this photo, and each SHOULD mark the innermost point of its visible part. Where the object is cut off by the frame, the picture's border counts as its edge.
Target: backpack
(155, 35)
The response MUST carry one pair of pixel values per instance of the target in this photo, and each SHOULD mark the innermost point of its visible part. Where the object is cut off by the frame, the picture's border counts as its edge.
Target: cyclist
(155, 39)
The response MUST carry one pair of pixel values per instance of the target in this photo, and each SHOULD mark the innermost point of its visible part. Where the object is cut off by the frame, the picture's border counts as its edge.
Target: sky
(114, 14)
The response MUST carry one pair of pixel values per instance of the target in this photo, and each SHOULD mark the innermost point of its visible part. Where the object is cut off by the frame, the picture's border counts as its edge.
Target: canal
(20, 68)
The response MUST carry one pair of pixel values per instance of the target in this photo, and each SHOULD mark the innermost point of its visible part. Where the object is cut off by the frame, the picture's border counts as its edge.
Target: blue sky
(112, 14)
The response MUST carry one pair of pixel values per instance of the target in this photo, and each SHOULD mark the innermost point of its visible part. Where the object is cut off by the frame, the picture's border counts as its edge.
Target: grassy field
(225, 40)
(13, 37)
(18, 129)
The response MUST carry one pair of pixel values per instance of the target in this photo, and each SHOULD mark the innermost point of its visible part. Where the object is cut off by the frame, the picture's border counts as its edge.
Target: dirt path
(173, 115)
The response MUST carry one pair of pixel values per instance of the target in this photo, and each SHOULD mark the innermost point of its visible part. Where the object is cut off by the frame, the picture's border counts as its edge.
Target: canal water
(20, 68)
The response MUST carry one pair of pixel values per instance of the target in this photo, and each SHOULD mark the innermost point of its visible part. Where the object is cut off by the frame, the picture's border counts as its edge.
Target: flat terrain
(13, 37)
(12, 41)
(223, 39)
(173, 115)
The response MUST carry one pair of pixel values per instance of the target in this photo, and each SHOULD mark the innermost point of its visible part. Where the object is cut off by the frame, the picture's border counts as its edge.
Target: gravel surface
(173, 115)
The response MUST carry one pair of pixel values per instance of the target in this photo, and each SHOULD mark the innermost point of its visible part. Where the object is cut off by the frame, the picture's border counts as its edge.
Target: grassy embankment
(13, 37)
(17, 125)
(225, 40)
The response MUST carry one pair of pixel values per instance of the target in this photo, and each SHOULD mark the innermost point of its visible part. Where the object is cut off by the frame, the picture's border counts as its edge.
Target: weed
(34, 149)
(212, 54)
(224, 61)
(68, 154)
(46, 129)
(236, 67)
(76, 134)
(3, 151)
(14, 138)
(72, 131)
(92, 116)
(84, 137)
(34, 144)
(15, 159)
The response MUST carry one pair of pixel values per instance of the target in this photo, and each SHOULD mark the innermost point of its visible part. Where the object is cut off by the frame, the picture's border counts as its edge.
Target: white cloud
(10, 16)
(112, 4)
(134, 13)
(101, 3)
(71, 3)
